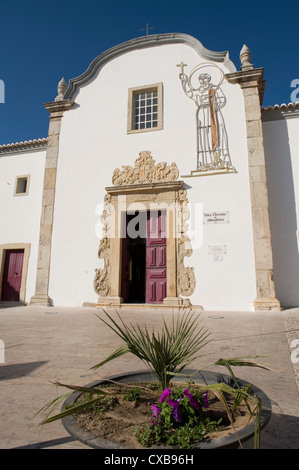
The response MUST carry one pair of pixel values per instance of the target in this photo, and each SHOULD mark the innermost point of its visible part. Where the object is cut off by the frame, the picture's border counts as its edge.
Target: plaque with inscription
(218, 250)
(216, 217)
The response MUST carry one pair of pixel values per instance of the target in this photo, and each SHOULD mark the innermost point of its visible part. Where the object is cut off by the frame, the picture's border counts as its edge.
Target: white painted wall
(282, 163)
(94, 141)
(20, 215)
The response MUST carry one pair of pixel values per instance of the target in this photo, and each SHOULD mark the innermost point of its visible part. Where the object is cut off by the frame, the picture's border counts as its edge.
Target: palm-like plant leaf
(119, 352)
(52, 405)
(240, 395)
(244, 393)
(242, 362)
(164, 352)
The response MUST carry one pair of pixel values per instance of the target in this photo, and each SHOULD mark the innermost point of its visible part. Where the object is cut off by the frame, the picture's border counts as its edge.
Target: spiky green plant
(170, 350)
(74, 408)
(167, 353)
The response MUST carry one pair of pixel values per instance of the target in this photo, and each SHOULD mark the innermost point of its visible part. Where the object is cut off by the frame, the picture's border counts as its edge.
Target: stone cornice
(57, 107)
(26, 146)
(249, 78)
(146, 187)
(142, 43)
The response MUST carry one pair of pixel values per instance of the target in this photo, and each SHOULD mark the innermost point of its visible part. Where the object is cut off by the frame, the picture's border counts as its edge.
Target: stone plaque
(217, 251)
(216, 217)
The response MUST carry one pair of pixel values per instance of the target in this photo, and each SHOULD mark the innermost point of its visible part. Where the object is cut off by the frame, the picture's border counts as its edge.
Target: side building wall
(281, 128)
(20, 213)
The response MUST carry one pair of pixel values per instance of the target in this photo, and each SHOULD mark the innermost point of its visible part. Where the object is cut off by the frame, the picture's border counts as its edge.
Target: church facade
(163, 182)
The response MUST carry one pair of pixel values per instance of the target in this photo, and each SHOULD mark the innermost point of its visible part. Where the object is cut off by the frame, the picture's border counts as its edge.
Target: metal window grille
(145, 110)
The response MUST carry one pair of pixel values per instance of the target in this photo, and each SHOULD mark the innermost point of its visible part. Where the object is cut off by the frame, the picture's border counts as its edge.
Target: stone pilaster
(56, 110)
(252, 84)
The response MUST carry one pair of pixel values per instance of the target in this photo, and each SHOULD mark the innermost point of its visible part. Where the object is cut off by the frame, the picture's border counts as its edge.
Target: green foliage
(240, 395)
(74, 407)
(176, 420)
(154, 386)
(101, 405)
(132, 394)
(168, 351)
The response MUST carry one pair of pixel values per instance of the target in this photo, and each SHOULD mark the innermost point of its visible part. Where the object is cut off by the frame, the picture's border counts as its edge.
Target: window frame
(27, 185)
(145, 89)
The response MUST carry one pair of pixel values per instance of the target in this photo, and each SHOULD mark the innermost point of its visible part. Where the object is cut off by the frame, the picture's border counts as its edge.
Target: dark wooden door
(133, 267)
(12, 275)
(125, 273)
(156, 260)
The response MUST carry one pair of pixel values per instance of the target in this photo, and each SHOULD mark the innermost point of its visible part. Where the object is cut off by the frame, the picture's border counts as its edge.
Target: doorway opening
(12, 275)
(144, 262)
(133, 266)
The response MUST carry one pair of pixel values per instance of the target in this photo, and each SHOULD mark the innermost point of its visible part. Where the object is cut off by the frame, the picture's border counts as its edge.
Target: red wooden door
(12, 275)
(156, 261)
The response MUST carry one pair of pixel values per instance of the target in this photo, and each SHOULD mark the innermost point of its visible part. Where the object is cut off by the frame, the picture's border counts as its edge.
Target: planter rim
(96, 442)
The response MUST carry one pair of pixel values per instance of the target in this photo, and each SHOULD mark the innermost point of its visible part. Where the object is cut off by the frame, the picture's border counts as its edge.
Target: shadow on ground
(282, 432)
(14, 371)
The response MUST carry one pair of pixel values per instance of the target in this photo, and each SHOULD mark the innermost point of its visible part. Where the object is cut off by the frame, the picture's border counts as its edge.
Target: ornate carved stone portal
(145, 171)
(145, 187)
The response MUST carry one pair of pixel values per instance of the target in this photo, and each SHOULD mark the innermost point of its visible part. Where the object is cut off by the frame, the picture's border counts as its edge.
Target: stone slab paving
(44, 345)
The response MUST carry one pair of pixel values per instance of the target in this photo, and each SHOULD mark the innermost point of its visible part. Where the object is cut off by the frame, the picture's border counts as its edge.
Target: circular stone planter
(231, 441)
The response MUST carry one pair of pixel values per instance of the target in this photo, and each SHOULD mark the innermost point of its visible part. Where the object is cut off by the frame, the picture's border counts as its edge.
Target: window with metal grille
(145, 108)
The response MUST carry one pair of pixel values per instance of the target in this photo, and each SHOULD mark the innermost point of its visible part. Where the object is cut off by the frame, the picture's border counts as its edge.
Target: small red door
(12, 275)
(156, 261)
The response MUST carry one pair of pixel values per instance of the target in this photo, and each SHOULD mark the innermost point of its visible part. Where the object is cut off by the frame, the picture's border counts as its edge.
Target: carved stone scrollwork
(185, 275)
(102, 276)
(145, 171)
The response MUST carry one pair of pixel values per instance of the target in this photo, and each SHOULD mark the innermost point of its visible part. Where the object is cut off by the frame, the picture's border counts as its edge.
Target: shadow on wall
(282, 212)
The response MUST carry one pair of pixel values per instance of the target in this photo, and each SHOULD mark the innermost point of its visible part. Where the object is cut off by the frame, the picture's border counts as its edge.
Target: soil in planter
(117, 418)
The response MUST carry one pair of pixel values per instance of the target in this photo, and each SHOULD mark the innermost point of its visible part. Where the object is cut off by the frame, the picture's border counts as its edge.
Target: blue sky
(42, 41)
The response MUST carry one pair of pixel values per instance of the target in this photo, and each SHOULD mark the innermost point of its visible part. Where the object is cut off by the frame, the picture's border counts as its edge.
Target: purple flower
(192, 401)
(176, 409)
(155, 414)
(165, 394)
(206, 403)
(177, 415)
(156, 409)
(173, 403)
